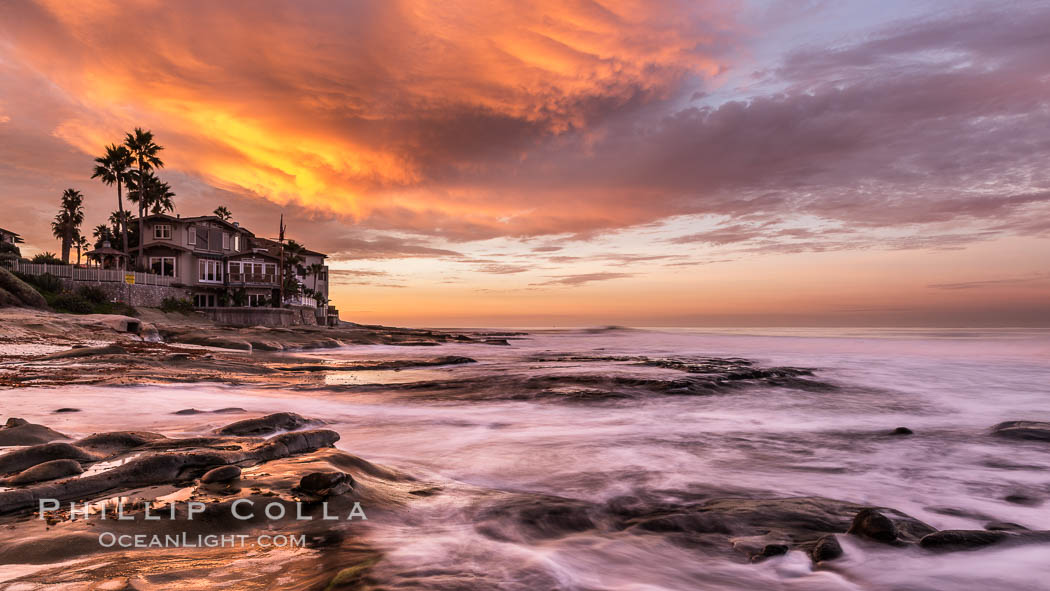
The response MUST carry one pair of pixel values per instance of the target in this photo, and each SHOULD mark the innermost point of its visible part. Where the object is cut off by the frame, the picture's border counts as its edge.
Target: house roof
(200, 218)
(105, 251)
(15, 235)
(162, 245)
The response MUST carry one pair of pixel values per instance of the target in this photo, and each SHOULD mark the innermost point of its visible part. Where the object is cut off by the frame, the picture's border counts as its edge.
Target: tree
(144, 151)
(315, 269)
(223, 213)
(150, 194)
(82, 245)
(123, 219)
(293, 258)
(102, 233)
(67, 222)
(113, 168)
(47, 258)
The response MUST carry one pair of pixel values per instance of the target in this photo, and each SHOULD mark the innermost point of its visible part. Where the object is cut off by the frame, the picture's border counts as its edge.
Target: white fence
(91, 274)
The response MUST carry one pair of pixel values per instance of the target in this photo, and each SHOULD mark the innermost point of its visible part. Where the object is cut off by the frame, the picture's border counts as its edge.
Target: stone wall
(146, 296)
(243, 317)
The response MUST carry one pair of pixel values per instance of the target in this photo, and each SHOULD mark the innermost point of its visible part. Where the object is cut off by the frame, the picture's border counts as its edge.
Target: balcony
(267, 279)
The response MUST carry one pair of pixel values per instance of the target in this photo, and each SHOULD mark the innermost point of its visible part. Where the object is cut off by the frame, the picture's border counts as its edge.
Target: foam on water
(949, 387)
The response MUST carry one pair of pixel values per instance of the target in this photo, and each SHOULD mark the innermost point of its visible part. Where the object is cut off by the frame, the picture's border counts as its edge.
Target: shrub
(95, 295)
(180, 305)
(45, 284)
(71, 303)
(9, 248)
(47, 258)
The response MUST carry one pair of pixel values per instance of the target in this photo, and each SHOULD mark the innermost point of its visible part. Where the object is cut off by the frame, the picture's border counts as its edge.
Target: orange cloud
(354, 107)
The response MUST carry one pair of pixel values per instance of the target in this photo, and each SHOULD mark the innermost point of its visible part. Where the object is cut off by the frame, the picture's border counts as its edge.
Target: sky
(572, 162)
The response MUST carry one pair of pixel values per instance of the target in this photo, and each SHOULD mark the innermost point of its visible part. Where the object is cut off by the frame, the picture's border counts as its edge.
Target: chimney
(236, 224)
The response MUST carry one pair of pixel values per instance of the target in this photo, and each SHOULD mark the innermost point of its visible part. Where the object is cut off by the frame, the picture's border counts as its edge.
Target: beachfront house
(10, 237)
(222, 263)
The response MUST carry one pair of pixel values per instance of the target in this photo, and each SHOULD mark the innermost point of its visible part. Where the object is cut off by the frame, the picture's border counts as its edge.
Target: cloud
(1038, 279)
(503, 269)
(511, 119)
(584, 278)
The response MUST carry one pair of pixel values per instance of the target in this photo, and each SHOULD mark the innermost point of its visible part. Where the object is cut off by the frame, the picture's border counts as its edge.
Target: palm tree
(120, 219)
(150, 194)
(144, 151)
(162, 199)
(223, 213)
(82, 245)
(293, 258)
(315, 269)
(102, 233)
(113, 168)
(67, 222)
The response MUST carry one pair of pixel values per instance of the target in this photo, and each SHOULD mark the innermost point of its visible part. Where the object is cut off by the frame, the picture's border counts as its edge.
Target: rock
(21, 432)
(1004, 526)
(529, 517)
(118, 441)
(326, 484)
(46, 471)
(86, 352)
(265, 345)
(281, 421)
(19, 293)
(222, 342)
(826, 548)
(177, 357)
(499, 342)
(871, 524)
(221, 474)
(1023, 499)
(188, 411)
(20, 459)
(229, 410)
(152, 469)
(65, 409)
(954, 540)
(1024, 430)
(902, 431)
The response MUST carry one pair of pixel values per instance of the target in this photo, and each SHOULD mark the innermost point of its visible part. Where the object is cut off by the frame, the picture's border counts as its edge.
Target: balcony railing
(265, 278)
(92, 274)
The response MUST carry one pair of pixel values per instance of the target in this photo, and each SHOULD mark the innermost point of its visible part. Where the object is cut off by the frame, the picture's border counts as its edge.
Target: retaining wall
(147, 296)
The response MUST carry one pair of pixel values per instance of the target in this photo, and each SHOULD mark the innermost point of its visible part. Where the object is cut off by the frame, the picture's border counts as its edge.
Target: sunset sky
(558, 163)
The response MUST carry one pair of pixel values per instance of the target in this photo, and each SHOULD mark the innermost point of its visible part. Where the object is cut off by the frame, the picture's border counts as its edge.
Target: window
(163, 265)
(237, 242)
(162, 232)
(225, 241)
(209, 271)
(191, 235)
(202, 300)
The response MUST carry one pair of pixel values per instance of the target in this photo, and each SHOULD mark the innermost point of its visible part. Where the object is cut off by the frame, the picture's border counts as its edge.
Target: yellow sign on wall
(129, 278)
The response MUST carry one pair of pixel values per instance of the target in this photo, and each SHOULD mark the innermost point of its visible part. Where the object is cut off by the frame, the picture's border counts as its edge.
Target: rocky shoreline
(39, 348)
(55, 488)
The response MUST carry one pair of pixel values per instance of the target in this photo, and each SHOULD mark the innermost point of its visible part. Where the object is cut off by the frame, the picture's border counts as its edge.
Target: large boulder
(280, 421)
(22, 432)
(15, 292)
(954, 540)
(46, 471)
(1027, 430)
